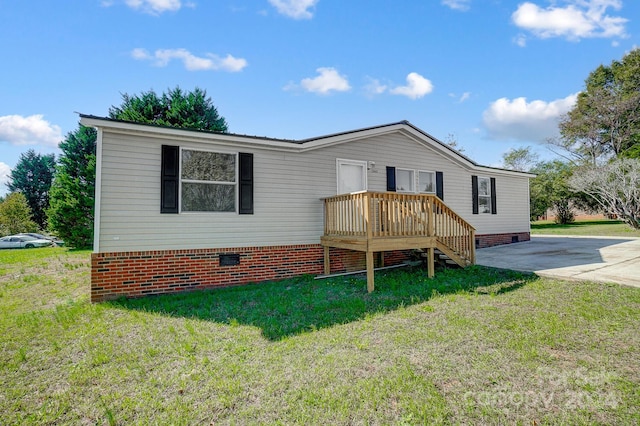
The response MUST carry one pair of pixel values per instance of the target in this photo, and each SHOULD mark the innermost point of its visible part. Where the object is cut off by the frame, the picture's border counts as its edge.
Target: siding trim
(98, 192)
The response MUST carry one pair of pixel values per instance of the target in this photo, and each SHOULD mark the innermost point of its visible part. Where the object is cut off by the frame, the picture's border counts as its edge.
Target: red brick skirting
(489, 240)
(141, 273)
(135, 274)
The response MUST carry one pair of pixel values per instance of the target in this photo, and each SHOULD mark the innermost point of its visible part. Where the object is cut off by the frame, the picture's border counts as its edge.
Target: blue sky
(494, 74)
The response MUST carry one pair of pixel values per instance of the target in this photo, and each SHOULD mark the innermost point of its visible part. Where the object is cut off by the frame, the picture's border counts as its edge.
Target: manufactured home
(180, 210)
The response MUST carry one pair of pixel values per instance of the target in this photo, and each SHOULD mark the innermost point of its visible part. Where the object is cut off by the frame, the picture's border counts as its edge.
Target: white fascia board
(497, 171)
(187, 135)
(430, 142)
(456, 157)
(349, 137)
(231, 139)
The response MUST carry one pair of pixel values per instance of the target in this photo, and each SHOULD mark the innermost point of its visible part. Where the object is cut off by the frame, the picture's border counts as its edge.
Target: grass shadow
(293, 306)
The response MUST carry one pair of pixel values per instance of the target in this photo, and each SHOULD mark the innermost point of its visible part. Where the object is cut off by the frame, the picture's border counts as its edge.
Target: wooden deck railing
(389, 214)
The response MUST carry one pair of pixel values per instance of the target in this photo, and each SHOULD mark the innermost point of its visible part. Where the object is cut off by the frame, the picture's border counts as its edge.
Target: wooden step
(439, 256)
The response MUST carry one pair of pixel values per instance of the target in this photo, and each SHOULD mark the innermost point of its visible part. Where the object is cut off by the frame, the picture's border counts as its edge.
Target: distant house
(181, 210)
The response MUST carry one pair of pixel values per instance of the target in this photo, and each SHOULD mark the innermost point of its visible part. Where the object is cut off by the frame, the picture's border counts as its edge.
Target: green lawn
(599, 228)
(474, 346)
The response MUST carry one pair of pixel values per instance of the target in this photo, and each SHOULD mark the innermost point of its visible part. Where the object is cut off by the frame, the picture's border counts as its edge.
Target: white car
(22, 241)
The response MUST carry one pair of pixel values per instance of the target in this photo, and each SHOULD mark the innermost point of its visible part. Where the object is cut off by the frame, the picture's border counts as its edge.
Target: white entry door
(352, 175)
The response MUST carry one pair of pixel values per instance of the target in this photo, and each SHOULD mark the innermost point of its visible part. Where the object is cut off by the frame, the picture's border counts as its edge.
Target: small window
(405, 180)
(484, 195)
(208, 181)
(427, 182)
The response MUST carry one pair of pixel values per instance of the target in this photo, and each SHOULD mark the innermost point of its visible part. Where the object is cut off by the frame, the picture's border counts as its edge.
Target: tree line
(58, 196)
(599, 147)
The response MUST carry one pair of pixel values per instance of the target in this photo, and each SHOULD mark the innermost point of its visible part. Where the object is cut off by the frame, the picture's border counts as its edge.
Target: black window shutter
(439, 186)
(474, 193)
(246, 184)
(169, 179)
(391, 179)
(494, 209)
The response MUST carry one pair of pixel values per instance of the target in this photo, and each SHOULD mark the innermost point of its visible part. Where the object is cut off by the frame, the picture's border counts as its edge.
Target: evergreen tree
(175, 108)
(32, 176)
(72, 193)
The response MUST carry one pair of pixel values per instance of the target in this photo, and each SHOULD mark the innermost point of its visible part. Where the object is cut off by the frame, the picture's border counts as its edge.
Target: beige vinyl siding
(512, 202)
(288, 187)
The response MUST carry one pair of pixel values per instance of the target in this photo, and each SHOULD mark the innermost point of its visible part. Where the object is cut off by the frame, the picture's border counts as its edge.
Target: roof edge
(311, 143)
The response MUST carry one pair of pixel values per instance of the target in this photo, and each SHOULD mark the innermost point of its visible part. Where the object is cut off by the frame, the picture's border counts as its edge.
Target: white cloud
(461, 98)
(461, 5)
(520, 40)
(518, 119)
(5, 170)
(417, 86)
(31, 130)
(579, 19)
(328, 80)
(209, 62)
(374, 87)
(154, 7)
(296, 9)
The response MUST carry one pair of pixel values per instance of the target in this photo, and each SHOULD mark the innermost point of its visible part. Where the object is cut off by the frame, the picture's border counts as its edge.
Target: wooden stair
(446, 258)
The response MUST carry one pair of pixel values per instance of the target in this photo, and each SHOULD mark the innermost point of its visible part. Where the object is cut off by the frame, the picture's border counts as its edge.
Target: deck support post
(368, 215)
(370, 282)
(327, 261)
(430, 262)
(472, 246)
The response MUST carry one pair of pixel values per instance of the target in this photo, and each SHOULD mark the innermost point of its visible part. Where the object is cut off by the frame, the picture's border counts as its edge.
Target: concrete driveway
(603, 259)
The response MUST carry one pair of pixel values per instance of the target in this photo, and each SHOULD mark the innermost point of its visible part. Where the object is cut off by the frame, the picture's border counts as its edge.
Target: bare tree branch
(615, 186)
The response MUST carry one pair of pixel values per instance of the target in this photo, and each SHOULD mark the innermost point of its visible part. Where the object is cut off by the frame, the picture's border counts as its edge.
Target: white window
(352, 176)
(405, 181)
(208, 181)
(426, 182)
(484, 195)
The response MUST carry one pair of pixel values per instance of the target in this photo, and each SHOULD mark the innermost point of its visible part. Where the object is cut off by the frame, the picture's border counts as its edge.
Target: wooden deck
(384, 221)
